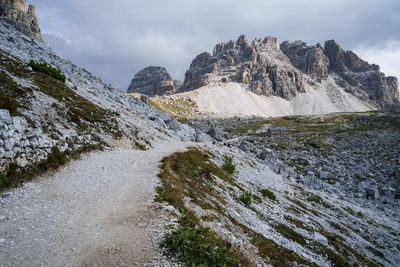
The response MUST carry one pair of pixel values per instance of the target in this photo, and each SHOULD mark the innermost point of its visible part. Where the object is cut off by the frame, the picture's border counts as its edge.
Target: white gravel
(97, 211)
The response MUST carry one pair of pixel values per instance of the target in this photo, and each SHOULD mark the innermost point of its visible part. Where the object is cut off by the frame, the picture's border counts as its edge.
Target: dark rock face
(14, 12)
(152, 81)
(259, 64)
(359, 77)
(308, 59)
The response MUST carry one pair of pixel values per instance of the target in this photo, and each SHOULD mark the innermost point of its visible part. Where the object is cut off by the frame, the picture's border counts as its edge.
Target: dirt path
(94, 212)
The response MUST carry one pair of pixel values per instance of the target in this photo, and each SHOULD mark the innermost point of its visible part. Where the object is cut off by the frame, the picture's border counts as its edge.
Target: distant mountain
(266, 78)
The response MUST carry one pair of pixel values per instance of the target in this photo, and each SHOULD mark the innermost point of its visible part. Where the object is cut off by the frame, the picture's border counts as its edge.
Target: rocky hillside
(237, 212)
(52, 110)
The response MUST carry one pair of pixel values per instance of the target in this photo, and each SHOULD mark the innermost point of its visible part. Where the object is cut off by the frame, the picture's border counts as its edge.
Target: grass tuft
(228, 165)
(268, 193)
(246, 198)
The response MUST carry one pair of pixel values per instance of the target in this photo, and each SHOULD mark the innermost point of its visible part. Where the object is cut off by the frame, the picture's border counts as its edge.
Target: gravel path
(93, 212)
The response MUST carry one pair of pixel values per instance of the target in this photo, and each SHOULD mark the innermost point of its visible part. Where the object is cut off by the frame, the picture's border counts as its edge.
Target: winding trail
(93, 212)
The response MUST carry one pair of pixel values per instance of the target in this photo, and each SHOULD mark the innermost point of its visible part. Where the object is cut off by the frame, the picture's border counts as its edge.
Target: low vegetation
(246, 198)
(268, 193)
(11, 96)
(48, 70)
(358, 214)
(198, 247)
(228, 166)
(315, 199)
(190, 174)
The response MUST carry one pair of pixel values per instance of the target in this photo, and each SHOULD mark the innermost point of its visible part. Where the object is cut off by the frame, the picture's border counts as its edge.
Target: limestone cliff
(259, 64)
(288, 69)
(14, 12)
(355, 75)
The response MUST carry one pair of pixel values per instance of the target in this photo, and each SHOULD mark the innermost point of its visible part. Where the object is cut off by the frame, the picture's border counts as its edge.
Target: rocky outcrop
(286, 70)
(355, 75)
(308, 59)
(360, 78)
(152, 81)
(14, 12)
(259, 64)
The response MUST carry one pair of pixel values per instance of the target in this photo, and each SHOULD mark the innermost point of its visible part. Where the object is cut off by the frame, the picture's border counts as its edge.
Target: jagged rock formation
(260, 64)
(350, 72)
(286, 70)
(309, 59)
(14, 12)
(357, 76)
(152, 81)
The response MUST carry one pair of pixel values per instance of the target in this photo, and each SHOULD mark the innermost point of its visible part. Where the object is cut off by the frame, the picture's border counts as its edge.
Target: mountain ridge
(289, 70)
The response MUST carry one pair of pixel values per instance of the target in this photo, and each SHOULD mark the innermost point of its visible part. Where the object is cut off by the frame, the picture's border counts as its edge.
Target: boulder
(266, 153)
(160, 123)
(245, 146)
(22, 162)
(9, 144)
(372, 193)
(320, 238)
(216, 133)
(201, 137)
(174, 125)
(5, 116)
(144, 98)
(20, 124)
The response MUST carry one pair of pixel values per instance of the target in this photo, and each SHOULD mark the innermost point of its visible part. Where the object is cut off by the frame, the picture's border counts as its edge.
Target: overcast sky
(117, 38)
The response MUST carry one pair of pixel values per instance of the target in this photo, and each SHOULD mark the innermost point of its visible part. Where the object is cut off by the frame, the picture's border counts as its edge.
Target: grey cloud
(115, 39)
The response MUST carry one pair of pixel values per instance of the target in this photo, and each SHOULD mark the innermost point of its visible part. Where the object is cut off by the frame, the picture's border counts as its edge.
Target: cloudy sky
(115, 39)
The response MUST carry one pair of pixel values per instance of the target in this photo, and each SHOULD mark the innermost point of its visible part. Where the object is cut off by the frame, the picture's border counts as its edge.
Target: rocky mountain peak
(152, 81)
(14, 12)
(285, 70)
(260, 64)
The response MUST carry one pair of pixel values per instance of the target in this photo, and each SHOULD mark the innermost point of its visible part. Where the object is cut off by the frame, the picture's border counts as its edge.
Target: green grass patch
(268, 193)
(48, 70)
(277, 255)
(198, 247)
(289, 233)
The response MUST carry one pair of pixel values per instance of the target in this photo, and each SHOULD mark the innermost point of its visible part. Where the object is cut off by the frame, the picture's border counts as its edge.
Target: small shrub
(48, 70)
(315, 199)
(197, 248)
(228, 166)
(268, 193)
(246, 198)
